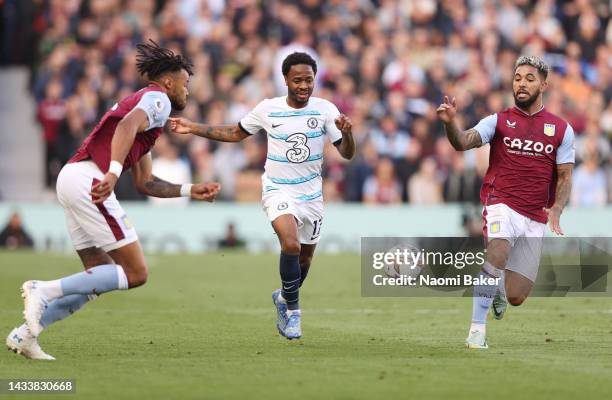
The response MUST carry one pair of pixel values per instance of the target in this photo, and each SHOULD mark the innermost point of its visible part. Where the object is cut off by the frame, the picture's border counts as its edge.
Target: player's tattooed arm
(221, 133)
(157, 187)
(204, 191)
(150, 185)
(460, 140)
(562, 195)
(564, 184)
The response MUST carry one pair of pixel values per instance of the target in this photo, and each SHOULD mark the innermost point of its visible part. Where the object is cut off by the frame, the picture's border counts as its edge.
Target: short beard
(297, 99)
(176, 106)
(525, 104)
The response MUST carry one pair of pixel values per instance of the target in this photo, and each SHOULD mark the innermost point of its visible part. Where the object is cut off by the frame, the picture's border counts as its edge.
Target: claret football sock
(290, 279)
(483, 296)
(96, 280)
(61, 308)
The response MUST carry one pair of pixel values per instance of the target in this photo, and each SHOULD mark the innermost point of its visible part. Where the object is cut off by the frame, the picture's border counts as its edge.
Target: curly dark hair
(298, 58)
(155, 61)
(535, 62)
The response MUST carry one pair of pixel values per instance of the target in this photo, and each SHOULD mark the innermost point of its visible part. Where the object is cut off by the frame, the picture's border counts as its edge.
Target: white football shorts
(308, 214)
(102, 225)
(524, 234)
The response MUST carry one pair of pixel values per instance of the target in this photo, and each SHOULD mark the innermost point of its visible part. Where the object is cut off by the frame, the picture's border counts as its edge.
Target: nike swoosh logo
(276, 125)
(286, 288)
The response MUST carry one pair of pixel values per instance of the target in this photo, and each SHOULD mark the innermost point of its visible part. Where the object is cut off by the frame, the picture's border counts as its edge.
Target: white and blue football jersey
(296, 138)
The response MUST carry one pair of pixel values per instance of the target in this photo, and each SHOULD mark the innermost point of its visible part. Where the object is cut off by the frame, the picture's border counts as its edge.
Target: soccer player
(527, 185)
(297, 126)
(103, 237)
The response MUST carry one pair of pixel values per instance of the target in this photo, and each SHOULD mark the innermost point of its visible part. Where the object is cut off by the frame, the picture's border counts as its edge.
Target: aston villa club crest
(126, 222)
(549, 129)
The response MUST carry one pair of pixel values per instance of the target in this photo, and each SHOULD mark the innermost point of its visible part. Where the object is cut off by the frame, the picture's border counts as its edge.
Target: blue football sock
(63, 307)
(290, 279)
(303, 273)
(96, 280)
(483, 294)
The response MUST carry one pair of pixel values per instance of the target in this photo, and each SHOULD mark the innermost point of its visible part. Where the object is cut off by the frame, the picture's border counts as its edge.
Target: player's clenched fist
(180, 125)
(343, 123)
(447, 110)
(207, 191)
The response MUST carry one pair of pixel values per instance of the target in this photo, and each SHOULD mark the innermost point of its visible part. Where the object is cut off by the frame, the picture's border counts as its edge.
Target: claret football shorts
(102, 225)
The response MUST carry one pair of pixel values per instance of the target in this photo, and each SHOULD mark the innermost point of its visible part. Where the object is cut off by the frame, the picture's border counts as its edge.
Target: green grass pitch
(203, 327)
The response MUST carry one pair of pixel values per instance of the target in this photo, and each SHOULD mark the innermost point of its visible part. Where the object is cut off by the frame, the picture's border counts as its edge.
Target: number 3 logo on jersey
(299, 152)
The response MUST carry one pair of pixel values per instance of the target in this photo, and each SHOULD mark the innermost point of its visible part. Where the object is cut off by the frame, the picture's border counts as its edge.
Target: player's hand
(344, 124)
(554, 216)
(447, 110)
(101, 190)
(180, 125)
(207, 191)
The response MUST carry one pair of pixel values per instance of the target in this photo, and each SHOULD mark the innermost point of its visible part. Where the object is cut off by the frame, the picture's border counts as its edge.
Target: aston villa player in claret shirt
(527, 185)
(100, 231)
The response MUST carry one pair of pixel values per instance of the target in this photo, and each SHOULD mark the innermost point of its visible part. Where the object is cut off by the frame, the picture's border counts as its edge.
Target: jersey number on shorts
(299, 152)
(317, 228)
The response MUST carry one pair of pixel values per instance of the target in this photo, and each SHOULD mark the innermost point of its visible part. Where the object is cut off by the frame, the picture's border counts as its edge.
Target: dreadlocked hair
(155, 61)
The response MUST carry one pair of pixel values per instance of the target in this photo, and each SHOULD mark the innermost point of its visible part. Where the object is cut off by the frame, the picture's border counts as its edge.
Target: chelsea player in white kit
(297, 126)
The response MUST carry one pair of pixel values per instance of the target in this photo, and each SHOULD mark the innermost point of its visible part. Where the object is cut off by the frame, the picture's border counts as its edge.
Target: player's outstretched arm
(562, 195)
(460, 140)
(221, 133)
(150, 185)
(346, 148)
(123, 139)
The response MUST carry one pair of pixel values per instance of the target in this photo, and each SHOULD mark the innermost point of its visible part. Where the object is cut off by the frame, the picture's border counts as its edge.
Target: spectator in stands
(389, 140)
(248, 180)
(385, 63)
(382, 187)
(51, 113)
(589, 185)
(168, 166)
(231, 238)
(592, 140)
(424, 187)
(462, 184)
(14, 235)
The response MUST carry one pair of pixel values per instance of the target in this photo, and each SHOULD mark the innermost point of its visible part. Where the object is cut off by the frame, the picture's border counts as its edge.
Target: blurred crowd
(384, 63)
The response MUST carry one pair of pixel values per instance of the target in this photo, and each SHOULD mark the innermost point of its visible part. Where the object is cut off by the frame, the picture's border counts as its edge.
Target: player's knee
(291, 246)
(516, 300)
(498, 251)
(497, 260)
(138, 277)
